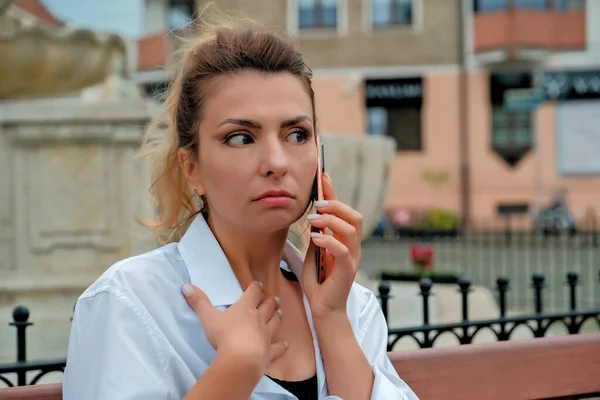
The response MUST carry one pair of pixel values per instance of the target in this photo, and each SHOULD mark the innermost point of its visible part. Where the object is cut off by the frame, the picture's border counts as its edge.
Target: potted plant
(437, 223)
(422, 257)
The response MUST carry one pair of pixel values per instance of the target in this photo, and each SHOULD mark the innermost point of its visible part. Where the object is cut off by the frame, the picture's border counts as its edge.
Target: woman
(228, 308)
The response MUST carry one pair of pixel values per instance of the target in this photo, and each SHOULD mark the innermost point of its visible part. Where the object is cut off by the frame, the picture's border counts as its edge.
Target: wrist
(330, 322)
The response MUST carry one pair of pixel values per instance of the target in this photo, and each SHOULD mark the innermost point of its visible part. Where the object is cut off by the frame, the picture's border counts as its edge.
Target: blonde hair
(211, 49)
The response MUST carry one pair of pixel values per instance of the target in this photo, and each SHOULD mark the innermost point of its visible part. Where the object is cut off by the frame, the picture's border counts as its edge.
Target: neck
(252, 255)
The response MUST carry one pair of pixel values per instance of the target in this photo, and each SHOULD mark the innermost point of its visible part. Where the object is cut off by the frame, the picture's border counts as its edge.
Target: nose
(274, 160)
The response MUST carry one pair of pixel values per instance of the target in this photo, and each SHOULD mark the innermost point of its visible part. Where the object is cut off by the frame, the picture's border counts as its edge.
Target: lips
(276, 194)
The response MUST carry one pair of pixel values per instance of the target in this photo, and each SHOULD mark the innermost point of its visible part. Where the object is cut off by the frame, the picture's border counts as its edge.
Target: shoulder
(141, 275)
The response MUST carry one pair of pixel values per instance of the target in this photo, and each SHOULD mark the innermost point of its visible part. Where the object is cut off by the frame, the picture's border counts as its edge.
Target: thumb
(199, 301)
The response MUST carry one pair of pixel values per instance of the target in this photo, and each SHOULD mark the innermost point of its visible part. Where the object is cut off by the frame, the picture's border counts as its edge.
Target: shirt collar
(209, 268)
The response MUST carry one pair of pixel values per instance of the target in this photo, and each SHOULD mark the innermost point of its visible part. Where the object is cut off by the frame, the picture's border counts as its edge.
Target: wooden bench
(566, 367)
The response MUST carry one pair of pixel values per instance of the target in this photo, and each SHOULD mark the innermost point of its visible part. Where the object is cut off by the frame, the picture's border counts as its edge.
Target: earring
(201, 201)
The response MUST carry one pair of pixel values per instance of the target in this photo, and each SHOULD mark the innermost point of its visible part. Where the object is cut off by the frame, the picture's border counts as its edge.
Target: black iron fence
(539, 323)
(22, 368)
(466, 331)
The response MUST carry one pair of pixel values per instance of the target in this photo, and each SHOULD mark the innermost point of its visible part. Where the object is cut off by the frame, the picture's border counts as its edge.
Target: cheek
(219, 178)
(307, 174)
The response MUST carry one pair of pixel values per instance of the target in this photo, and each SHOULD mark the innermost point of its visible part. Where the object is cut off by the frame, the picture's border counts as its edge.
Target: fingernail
(187, 289)
(286, 344)
(321, 203)
(277, 300)
(316, 234)
(260, 284)
(327, 176)
(280, 312)
(312, 217)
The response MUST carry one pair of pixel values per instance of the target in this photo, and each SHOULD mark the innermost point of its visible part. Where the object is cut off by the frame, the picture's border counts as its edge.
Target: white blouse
(135, 337)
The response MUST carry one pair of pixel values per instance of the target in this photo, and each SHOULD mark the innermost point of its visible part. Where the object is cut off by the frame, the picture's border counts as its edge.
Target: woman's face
(257, 154)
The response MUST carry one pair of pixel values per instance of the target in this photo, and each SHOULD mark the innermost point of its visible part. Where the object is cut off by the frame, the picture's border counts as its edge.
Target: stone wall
(69, 186)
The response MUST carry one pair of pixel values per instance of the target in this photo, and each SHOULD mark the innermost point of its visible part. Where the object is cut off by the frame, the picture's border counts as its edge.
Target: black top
(289, 275)
(307, 389)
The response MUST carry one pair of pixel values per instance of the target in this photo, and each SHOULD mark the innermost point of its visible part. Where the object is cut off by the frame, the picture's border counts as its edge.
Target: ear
(190, 169)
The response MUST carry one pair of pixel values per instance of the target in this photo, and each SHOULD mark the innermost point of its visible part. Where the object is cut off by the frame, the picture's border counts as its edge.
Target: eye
(300, 136)
(239, 139)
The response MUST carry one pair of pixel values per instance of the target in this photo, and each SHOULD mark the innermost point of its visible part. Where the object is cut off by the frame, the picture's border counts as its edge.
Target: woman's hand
(245, 331)
(342, 249)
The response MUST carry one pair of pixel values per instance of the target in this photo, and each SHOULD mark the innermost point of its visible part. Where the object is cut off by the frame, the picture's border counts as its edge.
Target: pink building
(434, 74)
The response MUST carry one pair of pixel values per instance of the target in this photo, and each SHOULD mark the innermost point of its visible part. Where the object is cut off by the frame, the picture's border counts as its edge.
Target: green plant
(438, 219)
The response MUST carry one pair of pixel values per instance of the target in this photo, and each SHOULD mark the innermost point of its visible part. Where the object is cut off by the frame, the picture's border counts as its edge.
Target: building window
(569, 5)
(403, 124)
(377, 121)
(482, 6)
(389, 13)
(532, 4)
(511, 128)
(394, 109)
(511, 133)
(317, 14)
(180, 13)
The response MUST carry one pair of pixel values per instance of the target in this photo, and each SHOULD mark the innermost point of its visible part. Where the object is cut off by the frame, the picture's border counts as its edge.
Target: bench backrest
(546, 368)
(563, 367)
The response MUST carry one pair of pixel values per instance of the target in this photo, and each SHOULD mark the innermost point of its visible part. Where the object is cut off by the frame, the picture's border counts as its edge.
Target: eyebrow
(255, 125)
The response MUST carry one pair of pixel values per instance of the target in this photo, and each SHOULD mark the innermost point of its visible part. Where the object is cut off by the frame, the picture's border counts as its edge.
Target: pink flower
(400, 217)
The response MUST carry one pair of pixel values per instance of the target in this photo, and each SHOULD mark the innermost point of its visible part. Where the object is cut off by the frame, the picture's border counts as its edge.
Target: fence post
(20, 321)
(594, 230)
(425, 286)
(384, 296)
(538, 286)
(502, 285)
(508, 230)
(464, 284)
(572, 281)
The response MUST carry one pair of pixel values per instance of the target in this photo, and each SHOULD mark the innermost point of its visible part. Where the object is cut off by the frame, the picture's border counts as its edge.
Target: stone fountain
(70, 123)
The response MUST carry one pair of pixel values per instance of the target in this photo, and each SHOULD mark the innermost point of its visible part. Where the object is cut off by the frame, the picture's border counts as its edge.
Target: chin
(275, 219)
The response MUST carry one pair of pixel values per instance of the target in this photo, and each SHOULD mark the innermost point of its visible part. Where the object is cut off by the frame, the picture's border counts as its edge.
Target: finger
(267, 307)
(328, 190)
(337, 249)
(199, 302)
(343, 211)
(344, 231)
(274, 323)
(277, 349)
(253, 295)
